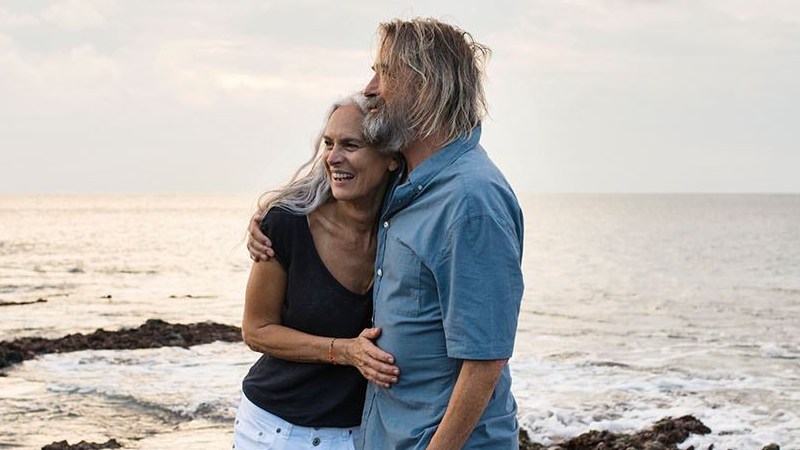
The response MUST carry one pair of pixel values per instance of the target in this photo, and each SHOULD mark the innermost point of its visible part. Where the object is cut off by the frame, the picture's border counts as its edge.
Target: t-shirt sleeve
(278, 226)
(481, 286)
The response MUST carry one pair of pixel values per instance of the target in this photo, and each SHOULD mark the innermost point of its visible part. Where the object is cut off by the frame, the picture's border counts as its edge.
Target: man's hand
(374, 364)
(259, 245)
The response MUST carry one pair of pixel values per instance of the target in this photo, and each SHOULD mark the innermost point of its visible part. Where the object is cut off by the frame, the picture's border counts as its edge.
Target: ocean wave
(199, 382)
(128, 271)
(23, 288)
(742, 411)
(217, 410)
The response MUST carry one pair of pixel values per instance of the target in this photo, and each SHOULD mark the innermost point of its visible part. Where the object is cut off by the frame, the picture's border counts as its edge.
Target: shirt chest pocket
(401, 279)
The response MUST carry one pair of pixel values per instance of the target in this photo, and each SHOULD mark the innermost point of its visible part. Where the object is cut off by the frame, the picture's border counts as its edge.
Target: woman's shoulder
(279, 217)
(284, 212)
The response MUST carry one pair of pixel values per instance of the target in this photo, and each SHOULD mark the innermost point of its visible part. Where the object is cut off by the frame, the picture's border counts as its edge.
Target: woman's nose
(335, 156)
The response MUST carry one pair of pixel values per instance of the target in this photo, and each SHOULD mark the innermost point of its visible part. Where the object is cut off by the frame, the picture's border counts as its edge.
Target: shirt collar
(424, 173)
(401, 194)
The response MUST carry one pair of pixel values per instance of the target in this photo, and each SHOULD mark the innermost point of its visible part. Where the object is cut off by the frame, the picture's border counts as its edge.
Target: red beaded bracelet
(330, 352)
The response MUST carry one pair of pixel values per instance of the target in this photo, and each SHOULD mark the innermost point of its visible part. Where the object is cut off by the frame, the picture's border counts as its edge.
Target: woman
(308, 310)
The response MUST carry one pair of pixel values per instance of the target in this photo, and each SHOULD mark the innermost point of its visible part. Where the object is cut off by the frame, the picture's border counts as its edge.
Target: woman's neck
(359, 216)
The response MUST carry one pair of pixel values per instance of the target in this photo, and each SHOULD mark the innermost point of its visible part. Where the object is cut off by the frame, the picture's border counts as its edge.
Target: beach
(637, 307)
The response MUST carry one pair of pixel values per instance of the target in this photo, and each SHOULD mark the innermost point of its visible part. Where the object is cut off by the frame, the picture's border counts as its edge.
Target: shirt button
(315, 442)
(380, 272)
(419, 188)
(385, 224)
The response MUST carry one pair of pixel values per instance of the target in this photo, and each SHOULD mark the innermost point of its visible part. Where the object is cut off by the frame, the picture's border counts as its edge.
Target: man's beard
(386, 126)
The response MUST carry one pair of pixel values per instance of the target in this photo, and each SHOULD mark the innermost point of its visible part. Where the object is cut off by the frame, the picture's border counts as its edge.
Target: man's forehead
(383, 56)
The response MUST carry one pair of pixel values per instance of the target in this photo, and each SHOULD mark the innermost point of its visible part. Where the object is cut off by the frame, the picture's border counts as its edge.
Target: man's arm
(471, 394)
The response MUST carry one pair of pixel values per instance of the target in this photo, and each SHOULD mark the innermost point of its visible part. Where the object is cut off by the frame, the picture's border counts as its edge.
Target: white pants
(258, 429)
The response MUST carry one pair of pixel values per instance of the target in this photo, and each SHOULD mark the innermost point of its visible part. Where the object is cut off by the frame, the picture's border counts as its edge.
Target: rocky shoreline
(152, 334)
(665, 434)
(82, 445)
(32, 302)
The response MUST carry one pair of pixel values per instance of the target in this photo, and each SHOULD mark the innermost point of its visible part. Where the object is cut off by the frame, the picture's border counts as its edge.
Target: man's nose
(371, 89)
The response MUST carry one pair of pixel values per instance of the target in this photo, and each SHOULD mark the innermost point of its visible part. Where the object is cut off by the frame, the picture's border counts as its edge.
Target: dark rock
(663, 435)
(772, 447)
(38, 300)
(525, 442)
(82, 445)
(152, 334)
(655, 446)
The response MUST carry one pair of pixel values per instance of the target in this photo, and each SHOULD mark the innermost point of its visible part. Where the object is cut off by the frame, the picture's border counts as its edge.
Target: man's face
(385, 84)
(389, 105)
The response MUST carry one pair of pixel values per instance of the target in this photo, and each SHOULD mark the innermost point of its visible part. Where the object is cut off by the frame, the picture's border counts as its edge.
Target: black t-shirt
(311, 395)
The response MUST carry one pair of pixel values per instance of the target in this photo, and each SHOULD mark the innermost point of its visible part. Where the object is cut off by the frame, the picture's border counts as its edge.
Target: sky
(227, 96)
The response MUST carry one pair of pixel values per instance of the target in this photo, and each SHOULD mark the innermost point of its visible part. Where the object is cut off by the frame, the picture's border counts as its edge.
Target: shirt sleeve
(481, 285)
(277, 225)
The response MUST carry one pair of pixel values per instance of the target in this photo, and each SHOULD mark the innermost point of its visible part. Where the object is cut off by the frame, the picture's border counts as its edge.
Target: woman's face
(357, 171)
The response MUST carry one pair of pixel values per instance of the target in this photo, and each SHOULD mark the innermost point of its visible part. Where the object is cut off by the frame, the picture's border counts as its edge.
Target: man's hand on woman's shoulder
(258, 244)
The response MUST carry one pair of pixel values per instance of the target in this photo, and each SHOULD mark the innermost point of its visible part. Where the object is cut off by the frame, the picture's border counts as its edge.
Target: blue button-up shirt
(448, 286)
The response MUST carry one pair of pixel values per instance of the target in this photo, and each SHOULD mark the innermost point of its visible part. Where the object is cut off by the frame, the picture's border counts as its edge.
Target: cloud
(10, 19)
(67, 15)
(208, 71)
(626, 38)
(577, 81)
(256, 82)
(74, 15)
(78, 80)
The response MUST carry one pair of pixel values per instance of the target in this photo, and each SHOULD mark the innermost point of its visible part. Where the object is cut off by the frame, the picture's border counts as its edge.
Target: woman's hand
(258, 245)
(374, 364)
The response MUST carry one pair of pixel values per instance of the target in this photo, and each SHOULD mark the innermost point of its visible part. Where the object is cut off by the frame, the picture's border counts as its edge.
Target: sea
(636, 307)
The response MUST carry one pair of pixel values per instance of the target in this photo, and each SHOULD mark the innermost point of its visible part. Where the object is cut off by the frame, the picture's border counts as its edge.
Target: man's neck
(419, 150)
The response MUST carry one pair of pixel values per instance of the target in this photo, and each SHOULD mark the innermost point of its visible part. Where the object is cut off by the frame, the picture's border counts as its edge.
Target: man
(448, 282)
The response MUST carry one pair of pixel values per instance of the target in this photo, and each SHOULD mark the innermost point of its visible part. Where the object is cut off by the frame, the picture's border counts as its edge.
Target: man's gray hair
(444, 86)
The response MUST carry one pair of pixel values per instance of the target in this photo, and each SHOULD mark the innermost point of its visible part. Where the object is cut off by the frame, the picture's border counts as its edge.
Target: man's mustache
(374, 103)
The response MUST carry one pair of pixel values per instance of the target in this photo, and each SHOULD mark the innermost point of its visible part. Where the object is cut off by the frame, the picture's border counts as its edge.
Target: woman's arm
(263, 332)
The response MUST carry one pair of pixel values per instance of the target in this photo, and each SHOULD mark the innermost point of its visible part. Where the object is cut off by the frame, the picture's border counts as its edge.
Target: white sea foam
(563, 400)
(202, 381)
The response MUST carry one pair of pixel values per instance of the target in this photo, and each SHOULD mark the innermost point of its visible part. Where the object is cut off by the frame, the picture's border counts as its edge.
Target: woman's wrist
(332, 357)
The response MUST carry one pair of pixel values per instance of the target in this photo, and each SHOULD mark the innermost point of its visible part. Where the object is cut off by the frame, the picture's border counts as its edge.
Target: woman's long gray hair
(310, 186)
